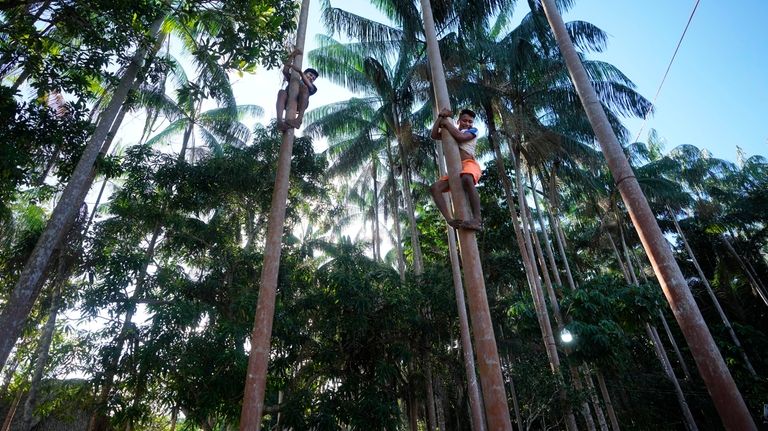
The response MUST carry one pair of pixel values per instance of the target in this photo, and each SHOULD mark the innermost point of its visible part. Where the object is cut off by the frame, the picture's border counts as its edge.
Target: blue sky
(716, 93)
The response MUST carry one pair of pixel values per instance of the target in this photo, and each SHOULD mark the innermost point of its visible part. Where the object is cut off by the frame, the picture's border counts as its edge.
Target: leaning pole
(494, 397)
(725, 395)
(256, 379)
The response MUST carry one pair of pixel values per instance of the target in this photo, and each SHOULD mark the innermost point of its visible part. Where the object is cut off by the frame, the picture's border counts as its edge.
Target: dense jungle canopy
(130, 256)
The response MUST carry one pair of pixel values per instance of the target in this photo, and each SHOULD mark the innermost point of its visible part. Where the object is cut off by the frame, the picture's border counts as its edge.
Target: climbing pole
(494, 397)
(725, 395)
(256, 379)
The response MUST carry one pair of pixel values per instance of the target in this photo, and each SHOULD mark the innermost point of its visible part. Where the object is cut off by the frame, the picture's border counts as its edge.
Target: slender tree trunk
(661, 354)
(536, 291)
(473, 390)
(712, 296)
(9, 371)
(413, 412)
(43, 351)
(608, 403)
(675, 348)
(726, 396)
(12, 412)
(534, 281)
(418, 263)
(545, 234)
(98, 419)
(27, 288)
(670, 373)
(632, 273)
(395, 210)
(619, 260)
(431, 414)
(754, 282)
(174, 418)
(256, 378)
(595, 400)
(513, 393)
(558, 232)
(440, 405)
(376, 233)
(497, 411)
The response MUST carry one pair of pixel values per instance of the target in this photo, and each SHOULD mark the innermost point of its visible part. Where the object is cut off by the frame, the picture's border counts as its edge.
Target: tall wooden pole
(725, 395)
(256, 379)
(496, 409)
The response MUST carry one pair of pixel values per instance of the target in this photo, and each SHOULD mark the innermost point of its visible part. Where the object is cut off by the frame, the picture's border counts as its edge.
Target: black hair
(312, 71)
(469, 112)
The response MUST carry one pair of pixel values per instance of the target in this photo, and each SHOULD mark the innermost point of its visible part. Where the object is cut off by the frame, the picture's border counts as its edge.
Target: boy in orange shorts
(466, 137)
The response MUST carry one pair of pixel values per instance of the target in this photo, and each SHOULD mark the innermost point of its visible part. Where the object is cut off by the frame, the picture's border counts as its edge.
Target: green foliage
(604, 313)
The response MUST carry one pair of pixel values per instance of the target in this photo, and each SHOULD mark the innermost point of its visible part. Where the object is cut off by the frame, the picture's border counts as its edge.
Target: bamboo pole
(256, 378)
(496, 409)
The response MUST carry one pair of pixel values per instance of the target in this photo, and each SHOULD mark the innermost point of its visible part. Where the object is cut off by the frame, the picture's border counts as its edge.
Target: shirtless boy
(306, 88)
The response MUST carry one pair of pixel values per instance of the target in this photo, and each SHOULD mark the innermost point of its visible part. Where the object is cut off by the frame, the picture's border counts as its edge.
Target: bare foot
(293, 123)
(476, 225)
(282, 126)
(455, 223)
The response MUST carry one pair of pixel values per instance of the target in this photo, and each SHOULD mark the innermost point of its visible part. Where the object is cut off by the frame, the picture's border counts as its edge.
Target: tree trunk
(675, 348)
(431, 414)
(9, 371)
(726, 396)
(547, 242)
(632, 273)
(712, 296)
(594, 399)
(395, 211)
(27, 288)
(670, 373)
(473, 390)
(513, 393)
(258, 359)
(440, 404)
(12, 412)
(418, 262)
(534, 283)
(43, 351)
(608, 403)
(174, 418)
(754, 282)
(376, 233)
(98, 419)
(586, 413)
(559, 237)
(497, 411)
(661, 354)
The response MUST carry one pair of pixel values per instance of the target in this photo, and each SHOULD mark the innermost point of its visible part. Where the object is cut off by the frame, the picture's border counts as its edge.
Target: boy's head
(311, 74)
(466, 119)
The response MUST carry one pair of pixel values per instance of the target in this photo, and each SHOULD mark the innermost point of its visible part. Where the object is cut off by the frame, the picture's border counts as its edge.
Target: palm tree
(27, 288)
(728, 400)
(389, 92)
(497, 412)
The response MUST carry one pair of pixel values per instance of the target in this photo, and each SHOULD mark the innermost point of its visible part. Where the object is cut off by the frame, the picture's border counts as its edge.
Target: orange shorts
(469, 166)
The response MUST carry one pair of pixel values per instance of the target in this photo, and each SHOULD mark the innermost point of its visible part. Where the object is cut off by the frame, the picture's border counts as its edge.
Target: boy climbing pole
(466, 137)
(306, 88)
